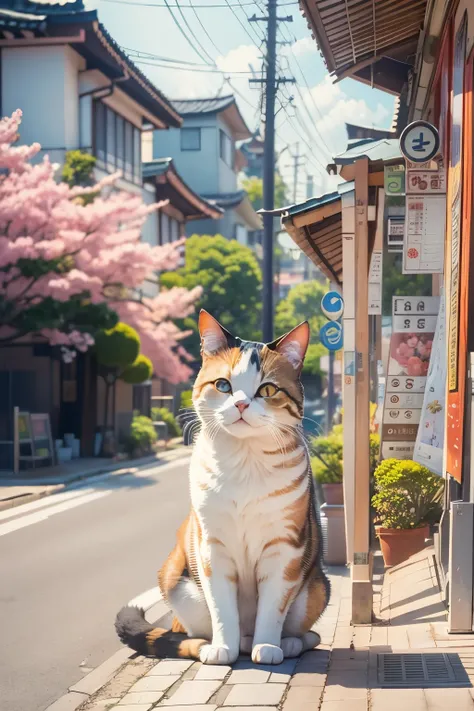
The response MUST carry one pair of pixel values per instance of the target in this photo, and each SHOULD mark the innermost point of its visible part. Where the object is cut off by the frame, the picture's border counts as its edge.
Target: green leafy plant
(408, 495)
(326, 459)
(186, 399)
(142, 436)
(162, 414)
(374, 450)
(231, 279)
(139, 371)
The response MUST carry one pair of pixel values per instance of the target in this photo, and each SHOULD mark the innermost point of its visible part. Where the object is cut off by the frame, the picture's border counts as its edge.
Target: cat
(246, 573)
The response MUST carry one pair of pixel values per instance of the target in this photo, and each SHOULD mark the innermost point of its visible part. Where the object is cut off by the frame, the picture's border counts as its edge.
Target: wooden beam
(318, 214)
(362, 594)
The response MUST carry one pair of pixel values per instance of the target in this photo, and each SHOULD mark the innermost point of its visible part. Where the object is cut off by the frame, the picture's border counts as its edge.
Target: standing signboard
(425, 224)
(430, 437)
(457, 258)
(413, 326)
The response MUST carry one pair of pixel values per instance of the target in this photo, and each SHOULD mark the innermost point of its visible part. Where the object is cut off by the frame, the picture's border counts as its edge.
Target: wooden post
(16, 441)
(349, 364)
(361, 568)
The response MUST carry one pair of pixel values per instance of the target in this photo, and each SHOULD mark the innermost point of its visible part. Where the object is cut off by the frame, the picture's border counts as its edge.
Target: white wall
(43, 83)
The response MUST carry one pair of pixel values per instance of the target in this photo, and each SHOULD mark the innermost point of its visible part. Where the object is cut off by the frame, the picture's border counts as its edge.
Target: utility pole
(296, 166)
(271, 83)
(309, 187)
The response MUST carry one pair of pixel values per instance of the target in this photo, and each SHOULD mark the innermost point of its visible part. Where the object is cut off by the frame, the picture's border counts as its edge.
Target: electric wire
(183, 33)
(190, 7)
(193, 34)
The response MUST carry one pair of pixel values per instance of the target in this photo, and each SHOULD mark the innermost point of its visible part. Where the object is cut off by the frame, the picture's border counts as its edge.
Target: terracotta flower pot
(398, 545)
(334, 494)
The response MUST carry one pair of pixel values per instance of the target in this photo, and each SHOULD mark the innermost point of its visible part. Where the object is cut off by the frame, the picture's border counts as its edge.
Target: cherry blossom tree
(69, 266)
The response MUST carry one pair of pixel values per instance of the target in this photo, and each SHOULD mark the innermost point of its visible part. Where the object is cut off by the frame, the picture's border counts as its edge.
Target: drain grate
(415, 670)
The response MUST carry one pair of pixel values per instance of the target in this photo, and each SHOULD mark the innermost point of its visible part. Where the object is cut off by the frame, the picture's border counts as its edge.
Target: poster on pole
(430, 437)
(414, 323)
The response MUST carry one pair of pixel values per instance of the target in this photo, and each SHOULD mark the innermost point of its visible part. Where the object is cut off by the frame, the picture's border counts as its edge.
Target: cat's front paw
(267, 654)
(212, 654)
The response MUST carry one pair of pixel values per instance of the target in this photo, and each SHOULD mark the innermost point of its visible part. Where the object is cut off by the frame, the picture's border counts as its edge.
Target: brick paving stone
(348, 665)
(443, 699)
(170, 667)
(143, 697)
(192, 692)
(308, 679)
(255, 695)
(354, 680)
(361, 637)
(303, 698)
(282, 673)
(396, 699)
(153, 683)
(339, 692)
(198, 707)
(253, 708)
(353, 705)
(212, 672)
(132, 707)
(316, 661)
(249, 676)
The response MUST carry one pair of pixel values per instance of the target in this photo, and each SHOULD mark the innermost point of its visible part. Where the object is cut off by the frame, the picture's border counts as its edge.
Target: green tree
(254, 188)
(303, 303)
(231, 279)
(118, 355)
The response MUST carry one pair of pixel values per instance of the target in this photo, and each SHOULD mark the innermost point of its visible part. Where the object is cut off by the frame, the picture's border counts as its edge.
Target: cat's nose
(241, 406)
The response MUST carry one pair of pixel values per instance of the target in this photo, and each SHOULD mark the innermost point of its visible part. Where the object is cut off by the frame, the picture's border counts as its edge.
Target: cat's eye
(223, 386)
(267, 390)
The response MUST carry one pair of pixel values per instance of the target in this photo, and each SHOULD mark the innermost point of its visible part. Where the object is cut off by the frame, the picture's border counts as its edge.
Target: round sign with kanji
(419, 142)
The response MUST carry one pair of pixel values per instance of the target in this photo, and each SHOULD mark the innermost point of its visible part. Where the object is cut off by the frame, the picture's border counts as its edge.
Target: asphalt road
(63, 578)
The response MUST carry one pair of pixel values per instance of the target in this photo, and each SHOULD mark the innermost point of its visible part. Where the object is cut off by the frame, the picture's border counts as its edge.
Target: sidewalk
(341, 675)
(35, 484)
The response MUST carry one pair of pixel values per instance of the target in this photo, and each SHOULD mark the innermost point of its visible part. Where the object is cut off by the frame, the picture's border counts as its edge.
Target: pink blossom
(96, 248)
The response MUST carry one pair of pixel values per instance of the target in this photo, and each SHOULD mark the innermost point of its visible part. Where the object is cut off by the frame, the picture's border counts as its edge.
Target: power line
(293, 40)
(205, 70)
(139, 54)
(203, 27)
(192, 33)
(190, 7)
(183, 33)
(252, 39)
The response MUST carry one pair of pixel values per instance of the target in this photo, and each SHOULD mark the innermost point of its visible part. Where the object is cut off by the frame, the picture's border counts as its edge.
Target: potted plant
(407, 501)
(326, 463)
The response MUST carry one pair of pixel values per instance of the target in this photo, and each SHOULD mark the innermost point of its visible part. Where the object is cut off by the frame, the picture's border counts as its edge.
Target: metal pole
(331, 408)
(296, 165)
(269, 172)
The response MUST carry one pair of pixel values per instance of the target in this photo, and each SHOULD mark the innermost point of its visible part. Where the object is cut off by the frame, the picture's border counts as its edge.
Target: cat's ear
(293, 345)
(214, 337)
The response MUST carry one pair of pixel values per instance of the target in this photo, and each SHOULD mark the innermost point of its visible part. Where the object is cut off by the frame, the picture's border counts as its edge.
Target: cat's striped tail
(140, 635)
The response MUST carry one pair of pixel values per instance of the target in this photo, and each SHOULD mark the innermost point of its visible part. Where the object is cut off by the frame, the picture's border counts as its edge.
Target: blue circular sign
(332, 305)
(419, 142)
(331, 336)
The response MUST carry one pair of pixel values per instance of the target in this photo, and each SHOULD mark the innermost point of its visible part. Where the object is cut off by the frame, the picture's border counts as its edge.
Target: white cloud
(240, 59)
(306, 45)
(324, 94)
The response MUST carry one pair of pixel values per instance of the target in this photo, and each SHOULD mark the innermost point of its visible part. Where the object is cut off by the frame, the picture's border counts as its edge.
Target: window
(165, 228)
(190, 139)
(225, 147)
(110, 139)
(174, 225)
(100, 131)
(117, 142)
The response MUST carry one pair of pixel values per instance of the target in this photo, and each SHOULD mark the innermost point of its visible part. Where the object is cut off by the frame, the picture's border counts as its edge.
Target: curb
(117, 469)
(85, 688)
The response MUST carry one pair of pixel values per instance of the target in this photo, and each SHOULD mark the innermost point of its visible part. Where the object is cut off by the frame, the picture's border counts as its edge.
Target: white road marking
(147, 599)
(42, 503)
(81, 493)
(30, 519)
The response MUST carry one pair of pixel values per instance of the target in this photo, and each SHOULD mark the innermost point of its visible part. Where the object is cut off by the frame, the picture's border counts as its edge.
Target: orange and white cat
(245, 575)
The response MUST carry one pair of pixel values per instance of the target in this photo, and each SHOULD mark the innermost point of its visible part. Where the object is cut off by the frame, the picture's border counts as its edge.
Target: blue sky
(317, 123)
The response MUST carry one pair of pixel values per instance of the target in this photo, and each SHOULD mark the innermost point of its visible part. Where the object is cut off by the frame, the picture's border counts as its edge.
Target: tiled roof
(226, 200)
(213, 105)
